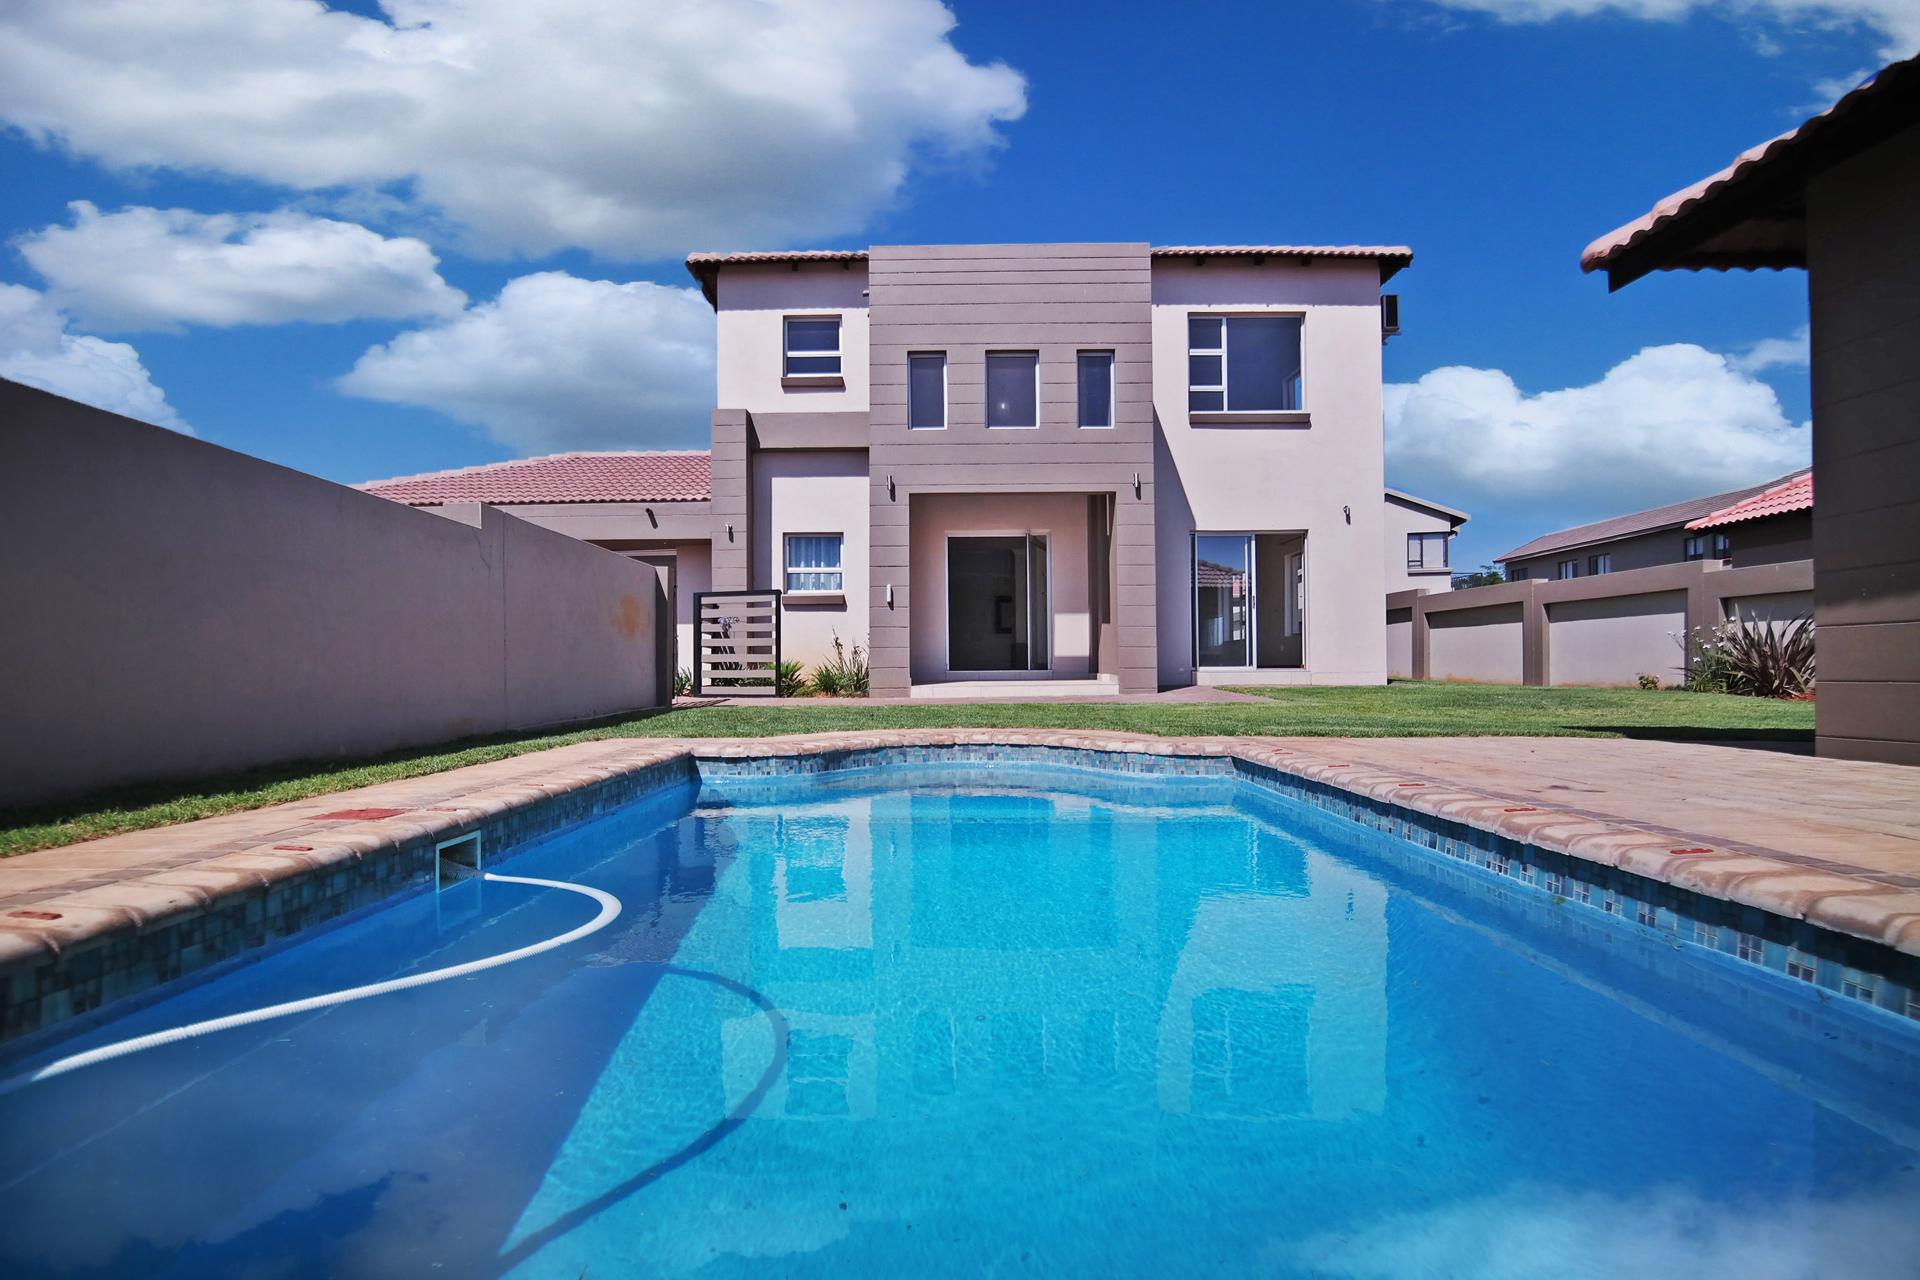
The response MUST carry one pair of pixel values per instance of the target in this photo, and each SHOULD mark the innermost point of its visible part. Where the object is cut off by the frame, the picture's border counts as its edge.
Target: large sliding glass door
(1223, 599)
(1249, 600)
(998, 611)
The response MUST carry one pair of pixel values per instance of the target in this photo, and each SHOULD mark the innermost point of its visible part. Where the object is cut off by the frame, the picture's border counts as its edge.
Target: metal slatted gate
(737, 643)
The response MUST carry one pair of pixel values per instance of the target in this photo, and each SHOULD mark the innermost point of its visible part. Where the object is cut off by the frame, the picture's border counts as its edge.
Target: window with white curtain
(813, 562)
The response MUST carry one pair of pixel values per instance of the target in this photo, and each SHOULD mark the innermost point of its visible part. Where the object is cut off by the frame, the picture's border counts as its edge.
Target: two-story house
(1105, 467)
(1760, 524)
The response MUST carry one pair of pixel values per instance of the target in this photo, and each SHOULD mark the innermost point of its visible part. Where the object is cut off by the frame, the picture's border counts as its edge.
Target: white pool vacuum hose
(609, 909)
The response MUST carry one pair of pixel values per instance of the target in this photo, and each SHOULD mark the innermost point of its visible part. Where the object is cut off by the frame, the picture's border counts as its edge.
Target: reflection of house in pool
(1096, 960)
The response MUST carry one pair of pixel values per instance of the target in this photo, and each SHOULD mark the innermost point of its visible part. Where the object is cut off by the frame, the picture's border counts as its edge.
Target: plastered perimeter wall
(1617, 639)
(1476, 644)
(175, 609)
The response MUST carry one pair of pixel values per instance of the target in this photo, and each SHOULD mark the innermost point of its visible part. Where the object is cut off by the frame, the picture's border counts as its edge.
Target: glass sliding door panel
(1038, 613)
(998, 613)
(1223, 600)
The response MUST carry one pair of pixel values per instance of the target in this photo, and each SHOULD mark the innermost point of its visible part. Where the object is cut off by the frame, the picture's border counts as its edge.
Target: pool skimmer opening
(460, 858)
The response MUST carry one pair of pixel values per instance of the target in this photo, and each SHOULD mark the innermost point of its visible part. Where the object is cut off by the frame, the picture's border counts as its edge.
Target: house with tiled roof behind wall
(1767, 523)
(1084, 468)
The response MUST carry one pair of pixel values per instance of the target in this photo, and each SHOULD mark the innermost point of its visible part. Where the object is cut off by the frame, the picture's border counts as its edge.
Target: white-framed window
(1095, 372)
(1602, 563)
(1013, 388)
(1567, 569)
(1244, 364)
(1426, 551)
(926, 389)
(813, 562)
(812, 347)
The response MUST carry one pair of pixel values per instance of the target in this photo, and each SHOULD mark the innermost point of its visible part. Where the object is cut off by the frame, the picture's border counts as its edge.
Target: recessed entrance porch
(1007, 588)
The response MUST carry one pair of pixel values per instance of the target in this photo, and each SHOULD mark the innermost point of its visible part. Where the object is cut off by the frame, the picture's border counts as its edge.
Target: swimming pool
(967, 1018)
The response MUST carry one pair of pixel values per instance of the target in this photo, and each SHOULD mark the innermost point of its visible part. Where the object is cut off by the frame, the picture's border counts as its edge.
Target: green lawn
(1402, 709)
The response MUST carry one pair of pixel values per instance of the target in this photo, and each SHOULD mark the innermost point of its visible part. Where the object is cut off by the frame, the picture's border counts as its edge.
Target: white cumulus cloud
(1795, 352)
(37, 348)
(1667, 423)
(558, 362)
(144, 268)
(633, 128)
(1895, 22)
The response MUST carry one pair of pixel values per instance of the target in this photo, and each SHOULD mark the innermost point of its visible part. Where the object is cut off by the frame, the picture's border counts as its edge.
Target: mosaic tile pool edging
(1844, 965)
(120, 962)
(145, 932)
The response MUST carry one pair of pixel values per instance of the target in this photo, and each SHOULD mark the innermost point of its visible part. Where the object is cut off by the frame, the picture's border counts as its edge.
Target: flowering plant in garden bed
(1760, 661)
(845, 674)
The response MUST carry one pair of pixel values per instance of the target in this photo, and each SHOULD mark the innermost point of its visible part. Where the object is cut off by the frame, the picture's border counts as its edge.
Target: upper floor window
(813, 562)
(1013, 388)
(1244, 364)
(1096, 388)
(813, 347)
(1567, 569)
(1700, 546)
(1426, 551)
(1602, 563)
(1516, 573)
(927, 389)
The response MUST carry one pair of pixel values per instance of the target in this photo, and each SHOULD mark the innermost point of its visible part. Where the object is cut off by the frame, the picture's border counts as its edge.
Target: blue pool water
(964, 1021)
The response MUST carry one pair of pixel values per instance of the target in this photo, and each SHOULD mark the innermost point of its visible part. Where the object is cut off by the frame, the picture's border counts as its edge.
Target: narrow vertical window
(1096, 388)
(1013, 388)
(927, 389)
(813, 347)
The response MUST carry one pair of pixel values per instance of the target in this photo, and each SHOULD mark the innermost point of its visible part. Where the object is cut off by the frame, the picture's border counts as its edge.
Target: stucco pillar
(732, 501)
(1536, 658)
(889, 618)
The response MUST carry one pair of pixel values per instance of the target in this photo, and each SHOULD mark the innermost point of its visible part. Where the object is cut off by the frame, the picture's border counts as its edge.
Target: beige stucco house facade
(1083, 467)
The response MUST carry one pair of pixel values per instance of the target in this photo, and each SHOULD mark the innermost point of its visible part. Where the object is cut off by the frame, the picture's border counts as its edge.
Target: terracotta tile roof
(560, 477)
(1391, 257)
(1785, 498)
(1672, 516)
(1752, 213)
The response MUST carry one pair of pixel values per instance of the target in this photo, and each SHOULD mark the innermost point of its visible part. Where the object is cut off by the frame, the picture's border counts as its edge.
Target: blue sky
(271, 211)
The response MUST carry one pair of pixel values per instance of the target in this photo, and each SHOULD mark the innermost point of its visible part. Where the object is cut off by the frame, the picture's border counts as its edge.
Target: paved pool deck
(1833, 842)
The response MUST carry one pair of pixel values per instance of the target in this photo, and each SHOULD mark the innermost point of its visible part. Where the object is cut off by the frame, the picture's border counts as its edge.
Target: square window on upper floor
(1245, 364)
(812, 347)
(1013, 388)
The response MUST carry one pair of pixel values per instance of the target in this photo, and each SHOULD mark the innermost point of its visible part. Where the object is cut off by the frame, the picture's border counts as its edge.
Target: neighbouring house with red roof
(1840, 197)
(1096, 468)
(1761, 524)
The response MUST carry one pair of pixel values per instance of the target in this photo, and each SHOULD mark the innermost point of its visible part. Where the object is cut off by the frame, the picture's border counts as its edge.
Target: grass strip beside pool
(1402, 709)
